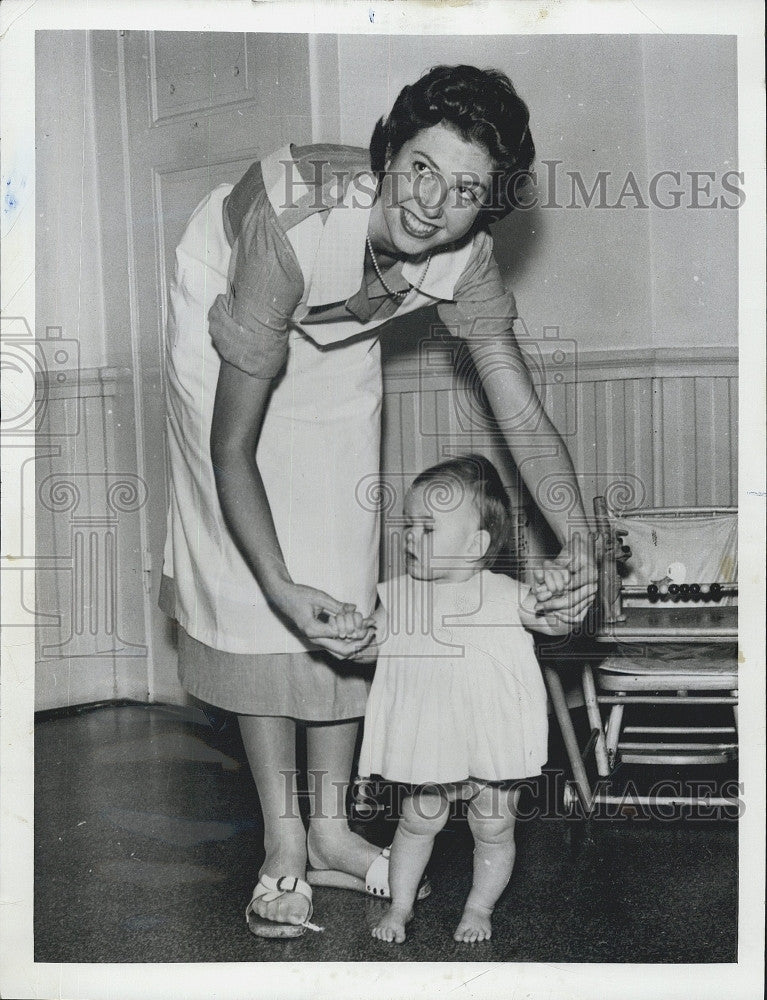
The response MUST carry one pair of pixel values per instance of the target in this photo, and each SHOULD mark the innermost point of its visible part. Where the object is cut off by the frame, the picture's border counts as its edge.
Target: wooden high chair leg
(614, 732)
(595, 721)
(562, 713)
(734, 694)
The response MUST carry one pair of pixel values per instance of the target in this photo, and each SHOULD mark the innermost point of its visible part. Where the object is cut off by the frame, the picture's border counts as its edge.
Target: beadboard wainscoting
(91, 570)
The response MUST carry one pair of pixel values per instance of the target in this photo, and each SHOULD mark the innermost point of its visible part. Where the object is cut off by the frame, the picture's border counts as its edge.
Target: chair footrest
(691, 747)
(664, 699)
(681, 730)
(723, 757)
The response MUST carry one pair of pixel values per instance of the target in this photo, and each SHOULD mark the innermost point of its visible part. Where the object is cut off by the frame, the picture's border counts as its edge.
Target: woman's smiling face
(432, 192)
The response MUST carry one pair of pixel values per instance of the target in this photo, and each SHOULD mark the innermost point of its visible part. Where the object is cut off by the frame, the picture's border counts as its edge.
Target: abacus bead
(673, 589)
(684, 589)
(652, 590)
(695, 589)
(716, 590)
(704, 588)
(664, 589)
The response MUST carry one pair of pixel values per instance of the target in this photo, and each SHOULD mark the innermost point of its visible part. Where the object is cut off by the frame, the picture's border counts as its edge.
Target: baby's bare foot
(475, 925)
(391, 926)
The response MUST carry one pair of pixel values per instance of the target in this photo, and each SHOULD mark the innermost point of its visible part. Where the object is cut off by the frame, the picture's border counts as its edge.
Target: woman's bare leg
(491, 815)
(331, 844)
(270, 743)
(423, 816)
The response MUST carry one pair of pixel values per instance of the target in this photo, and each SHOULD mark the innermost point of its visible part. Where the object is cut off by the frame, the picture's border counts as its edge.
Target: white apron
(320, 436)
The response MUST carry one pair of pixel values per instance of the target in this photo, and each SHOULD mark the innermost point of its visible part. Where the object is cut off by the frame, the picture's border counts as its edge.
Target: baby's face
(443, 539)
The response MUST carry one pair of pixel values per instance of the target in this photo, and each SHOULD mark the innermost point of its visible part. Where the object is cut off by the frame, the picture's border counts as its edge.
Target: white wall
(68, 247)
(610, 279)
(690, 92)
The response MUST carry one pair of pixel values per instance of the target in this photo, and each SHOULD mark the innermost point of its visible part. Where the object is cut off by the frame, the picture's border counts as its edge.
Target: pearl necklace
(401, 294)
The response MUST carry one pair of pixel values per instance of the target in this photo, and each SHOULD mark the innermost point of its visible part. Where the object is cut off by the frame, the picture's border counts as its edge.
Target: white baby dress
(458, 691)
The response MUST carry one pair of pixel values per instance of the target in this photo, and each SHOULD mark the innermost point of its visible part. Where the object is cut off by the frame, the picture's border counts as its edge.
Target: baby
(457, 708)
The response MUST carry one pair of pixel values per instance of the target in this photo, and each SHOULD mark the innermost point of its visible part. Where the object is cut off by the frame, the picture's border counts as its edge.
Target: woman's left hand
(567, 585)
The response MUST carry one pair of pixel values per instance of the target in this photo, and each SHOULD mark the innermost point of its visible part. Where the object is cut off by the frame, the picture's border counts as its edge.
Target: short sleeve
(481, 305)
(522, 592)
(249, 325)
(507, 595)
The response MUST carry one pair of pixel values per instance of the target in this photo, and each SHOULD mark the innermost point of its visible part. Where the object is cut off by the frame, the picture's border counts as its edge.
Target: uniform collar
(338, 269)
(438, 284)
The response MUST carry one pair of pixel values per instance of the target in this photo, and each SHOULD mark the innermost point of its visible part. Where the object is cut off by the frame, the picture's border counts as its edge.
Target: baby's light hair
(477, 474)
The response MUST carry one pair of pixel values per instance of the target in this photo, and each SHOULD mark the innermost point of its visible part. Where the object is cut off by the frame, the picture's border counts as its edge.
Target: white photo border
(21, 976)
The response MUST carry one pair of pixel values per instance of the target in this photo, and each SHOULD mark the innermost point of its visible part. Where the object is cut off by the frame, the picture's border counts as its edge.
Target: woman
(280, 287)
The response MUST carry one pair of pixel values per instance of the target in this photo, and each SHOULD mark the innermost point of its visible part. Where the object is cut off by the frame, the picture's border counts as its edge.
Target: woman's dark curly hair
(482, 107)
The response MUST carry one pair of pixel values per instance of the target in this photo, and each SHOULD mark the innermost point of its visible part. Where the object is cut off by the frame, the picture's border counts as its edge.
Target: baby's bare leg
(423, 816)
(491, 818)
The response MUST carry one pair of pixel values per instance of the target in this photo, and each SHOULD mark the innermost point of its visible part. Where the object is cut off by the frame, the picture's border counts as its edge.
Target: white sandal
(375, 882)
(269, 889)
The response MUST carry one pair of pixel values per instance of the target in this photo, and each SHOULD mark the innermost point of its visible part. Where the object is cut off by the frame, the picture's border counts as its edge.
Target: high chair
(668, 623)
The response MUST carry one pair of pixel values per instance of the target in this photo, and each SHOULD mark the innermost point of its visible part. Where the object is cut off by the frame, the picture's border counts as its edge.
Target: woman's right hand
(313, 612)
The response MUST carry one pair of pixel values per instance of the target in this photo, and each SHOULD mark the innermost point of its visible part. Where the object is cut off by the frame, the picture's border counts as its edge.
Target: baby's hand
(350, 623)
(550, 581)
(360, 633)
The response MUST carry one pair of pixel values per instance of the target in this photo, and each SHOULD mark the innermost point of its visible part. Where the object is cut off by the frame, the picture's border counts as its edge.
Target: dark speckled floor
(147, 841)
